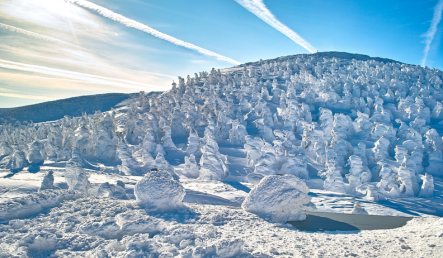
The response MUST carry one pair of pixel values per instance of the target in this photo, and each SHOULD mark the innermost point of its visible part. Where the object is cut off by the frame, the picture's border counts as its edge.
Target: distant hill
(53, 110)
(328, 54)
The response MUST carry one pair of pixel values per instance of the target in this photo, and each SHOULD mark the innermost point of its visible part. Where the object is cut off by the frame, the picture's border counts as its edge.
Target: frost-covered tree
(166, 138)
(333, 179)
(5, 149)
(35, 157)
(18, 161)
(342, 126)
(77, 178)
(237, 133)
(326, 122)
(212, 165)
(427, 188)
(191, 167)
(149, 144)
(129, 165)
(358, 173)
(161, 163)
(296, 166)
(381, 149)
(435, 160)
(409, 185)
(193, 142)
(253, 147)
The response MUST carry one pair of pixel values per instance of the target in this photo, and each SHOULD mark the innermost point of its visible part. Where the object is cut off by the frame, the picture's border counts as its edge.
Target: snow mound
(358, 209)
(136, 221)
(279, 197)
(22, 207)
(109, 190)
(48, 182)
(159, 190)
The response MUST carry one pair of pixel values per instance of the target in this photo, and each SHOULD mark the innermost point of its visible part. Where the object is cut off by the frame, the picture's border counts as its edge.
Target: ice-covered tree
(77, 178)
(237, 133)
(435, 160)
(212, 165)
(427, 188)
(358, 173)
(342, 126)
(408, 181)
(191, 167)
(129, 165)
(166, 138)
(18, 161)
(193, 142)
(296, 166)
(35, 157)
(333, 179)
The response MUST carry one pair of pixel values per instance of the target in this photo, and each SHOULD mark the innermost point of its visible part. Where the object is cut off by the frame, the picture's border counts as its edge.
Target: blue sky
(52, 49)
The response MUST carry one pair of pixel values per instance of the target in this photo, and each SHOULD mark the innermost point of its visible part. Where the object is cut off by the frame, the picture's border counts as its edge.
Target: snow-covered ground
(91, 227)
(236, 153)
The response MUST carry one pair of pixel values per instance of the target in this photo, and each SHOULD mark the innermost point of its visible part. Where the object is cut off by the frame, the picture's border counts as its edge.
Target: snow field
(98, 227)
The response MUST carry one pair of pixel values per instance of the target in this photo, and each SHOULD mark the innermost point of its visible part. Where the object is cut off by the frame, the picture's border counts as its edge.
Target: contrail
(74, 75)
(258, 8)
(23, 96)
(137, 25)
(432, 30)
(36, 35)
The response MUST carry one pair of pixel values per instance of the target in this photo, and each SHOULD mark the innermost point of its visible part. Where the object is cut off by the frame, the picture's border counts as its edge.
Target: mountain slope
(53, 110)
(215, 166)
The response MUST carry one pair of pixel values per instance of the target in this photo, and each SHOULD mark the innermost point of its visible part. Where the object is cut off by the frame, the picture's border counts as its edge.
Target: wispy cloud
(258, 8)
(23, 96)
(429, 36)
(35, 35)
(75, 75)
(137, 25)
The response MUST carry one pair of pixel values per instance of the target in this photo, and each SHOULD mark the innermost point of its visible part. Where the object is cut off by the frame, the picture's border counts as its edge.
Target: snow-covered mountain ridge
(328, 54)
(53, 110)
(302, 132)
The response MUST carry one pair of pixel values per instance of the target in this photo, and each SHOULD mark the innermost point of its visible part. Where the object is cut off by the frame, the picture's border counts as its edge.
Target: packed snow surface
(217, 164)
